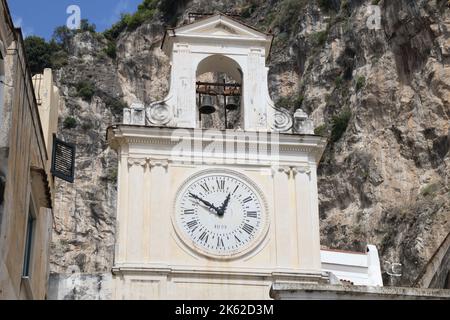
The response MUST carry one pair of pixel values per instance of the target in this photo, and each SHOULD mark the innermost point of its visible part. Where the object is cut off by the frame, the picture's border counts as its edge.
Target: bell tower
(218, 212)
(218, 44)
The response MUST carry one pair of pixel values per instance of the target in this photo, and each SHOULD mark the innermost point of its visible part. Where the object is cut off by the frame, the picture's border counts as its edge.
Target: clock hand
(206, 203)
(224, 206)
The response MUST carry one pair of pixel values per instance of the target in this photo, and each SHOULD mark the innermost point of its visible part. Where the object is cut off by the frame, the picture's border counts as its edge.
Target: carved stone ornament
(284, 169)
(137, 162)
(159, 114)
(282, 121)
(159, 163)
(127, 116)
(303, 124)
(303, 169)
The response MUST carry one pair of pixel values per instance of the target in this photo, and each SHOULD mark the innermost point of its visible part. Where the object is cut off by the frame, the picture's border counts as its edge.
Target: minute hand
(225, 205)
(206, 203)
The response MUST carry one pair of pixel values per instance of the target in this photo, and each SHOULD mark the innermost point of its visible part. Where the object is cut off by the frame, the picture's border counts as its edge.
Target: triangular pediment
(221, 26)
(221, 29)
(218, 28)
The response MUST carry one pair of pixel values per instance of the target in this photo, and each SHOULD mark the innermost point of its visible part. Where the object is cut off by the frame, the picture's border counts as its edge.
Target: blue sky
(41, 17)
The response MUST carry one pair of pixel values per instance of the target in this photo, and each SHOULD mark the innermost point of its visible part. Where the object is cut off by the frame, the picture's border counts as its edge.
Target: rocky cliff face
(382, 96)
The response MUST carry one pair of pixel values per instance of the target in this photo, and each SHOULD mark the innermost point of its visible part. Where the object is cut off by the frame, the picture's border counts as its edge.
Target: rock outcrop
(380, 92)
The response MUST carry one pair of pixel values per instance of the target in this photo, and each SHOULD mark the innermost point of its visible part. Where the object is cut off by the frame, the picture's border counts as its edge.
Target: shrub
(360, 83)
(298, 101)
(87, 125)
(339, 124)
(430, 190)
(291, 102)
(248, 10)
(345, 9)
(319, 38)
(321, 130)
(113, 175)
(287, 17)
(115, 105)
(85, 90)
(284, 102)
(111, 50)
(146, 11)
(63, 35)
(59, 59)
(41, 54)
(69, 123)
(85, 26)
(326, 5)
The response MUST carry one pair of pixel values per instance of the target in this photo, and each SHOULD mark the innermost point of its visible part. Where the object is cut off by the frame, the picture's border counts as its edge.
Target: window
(29, 243)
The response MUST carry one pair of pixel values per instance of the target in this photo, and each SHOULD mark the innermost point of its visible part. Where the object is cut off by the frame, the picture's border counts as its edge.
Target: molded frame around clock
(247, 250)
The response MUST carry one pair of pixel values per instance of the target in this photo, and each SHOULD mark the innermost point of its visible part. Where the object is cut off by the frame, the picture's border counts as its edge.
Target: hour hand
(206, 203)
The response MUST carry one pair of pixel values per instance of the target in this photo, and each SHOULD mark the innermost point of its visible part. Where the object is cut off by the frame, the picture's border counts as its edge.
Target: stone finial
(126, 116)
(302, 123)
(134, 115)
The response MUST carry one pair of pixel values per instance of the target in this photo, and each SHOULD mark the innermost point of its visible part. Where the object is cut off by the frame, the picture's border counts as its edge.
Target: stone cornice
(275, 275)
(162, 136)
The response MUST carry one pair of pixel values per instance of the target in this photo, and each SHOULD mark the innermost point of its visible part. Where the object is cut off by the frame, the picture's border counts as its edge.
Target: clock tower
(217, 187)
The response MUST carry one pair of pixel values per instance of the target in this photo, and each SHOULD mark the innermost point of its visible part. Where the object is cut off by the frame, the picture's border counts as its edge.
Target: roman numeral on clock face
(204, 237)
(247, 200)
(252, 214)
(248, 228)
(220, 243)
(221, 184)
(189, 211)
(192, 224)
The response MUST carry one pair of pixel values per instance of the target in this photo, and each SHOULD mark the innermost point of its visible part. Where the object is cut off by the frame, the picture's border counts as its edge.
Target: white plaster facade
(151, 260)
(215, 44)
(160, 148)
(360, 269)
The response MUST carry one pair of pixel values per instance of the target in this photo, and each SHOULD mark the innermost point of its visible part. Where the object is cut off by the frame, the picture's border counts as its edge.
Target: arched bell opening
(219, 93)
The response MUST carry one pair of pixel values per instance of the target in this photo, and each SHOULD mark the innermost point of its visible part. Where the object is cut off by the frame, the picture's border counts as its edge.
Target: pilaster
(307, 218)
(159, 210)
(135, 225)
(285, 219)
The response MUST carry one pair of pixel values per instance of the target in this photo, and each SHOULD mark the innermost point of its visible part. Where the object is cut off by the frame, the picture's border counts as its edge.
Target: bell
(233, 103)
(207, 105)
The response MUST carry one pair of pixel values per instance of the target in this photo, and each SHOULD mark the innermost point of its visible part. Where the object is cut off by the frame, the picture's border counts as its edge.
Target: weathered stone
(374, 182)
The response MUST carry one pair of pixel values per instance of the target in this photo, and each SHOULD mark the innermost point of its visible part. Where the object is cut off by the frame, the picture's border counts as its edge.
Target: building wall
(49, 102)
(23, 167)
(153, 261)
(437, 272)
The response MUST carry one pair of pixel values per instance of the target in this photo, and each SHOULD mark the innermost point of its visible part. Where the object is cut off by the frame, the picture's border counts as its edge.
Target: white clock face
(220, 214)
